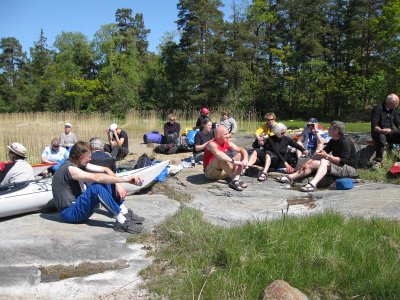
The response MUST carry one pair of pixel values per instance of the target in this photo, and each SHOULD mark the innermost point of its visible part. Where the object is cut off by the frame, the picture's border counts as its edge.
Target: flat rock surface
(35, 243)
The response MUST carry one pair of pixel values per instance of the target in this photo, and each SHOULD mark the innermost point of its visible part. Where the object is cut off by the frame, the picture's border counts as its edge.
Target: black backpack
(143, 161)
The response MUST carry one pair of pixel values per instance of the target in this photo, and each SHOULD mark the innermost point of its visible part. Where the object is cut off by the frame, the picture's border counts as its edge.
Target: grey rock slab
(267, 200)
(41, 240)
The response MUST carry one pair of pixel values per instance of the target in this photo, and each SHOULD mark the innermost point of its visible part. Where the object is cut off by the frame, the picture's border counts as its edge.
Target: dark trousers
(381, 140)
(117, 152)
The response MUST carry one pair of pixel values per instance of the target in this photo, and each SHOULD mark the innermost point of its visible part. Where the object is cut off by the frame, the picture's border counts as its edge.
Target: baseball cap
(113, 126)
(205, 111)
(68, 125)
(312, 121)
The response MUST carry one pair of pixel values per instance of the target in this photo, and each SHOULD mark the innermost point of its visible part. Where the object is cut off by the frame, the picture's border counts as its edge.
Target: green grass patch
(325, 256)
(381, 175)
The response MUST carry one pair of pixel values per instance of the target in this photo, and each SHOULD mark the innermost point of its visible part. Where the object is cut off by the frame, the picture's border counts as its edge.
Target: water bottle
(193, 162)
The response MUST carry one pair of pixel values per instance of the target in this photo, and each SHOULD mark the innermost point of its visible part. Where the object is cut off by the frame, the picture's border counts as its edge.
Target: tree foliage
(327, 58)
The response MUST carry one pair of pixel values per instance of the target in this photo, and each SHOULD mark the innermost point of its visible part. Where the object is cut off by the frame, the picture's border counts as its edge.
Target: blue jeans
(84, 205)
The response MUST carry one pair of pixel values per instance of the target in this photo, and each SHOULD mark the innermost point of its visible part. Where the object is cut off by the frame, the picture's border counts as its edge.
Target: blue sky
(23, 19)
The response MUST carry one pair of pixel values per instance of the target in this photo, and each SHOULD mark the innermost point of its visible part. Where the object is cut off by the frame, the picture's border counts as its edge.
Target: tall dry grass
(36, 130)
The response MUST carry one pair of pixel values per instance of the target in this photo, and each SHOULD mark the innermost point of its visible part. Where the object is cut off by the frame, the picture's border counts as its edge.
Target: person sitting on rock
(67, 138)
(118, 144)
(385, 124)
(218, 165)
(337, 158)
(274, 153)
(201, 140)
(204, 114)
(265, 130)
(228, 122)
(311, 138)
(76, 204)
(172, 130)
(55, 153)
(17, 169)
(99, 156)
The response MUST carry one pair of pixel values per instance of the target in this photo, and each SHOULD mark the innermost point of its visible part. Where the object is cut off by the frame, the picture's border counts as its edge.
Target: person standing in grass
(67, 138)
(118, 144)
(385, 127)
(218, 165)
(17, 169)
(337, 158)
(76, 204)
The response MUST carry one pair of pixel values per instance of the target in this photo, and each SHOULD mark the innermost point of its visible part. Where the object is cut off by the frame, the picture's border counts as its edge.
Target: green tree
(203, 47)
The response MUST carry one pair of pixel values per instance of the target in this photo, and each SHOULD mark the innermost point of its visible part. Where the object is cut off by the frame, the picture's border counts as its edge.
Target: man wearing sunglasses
(55, 153)
(311, 138)
(265, 130)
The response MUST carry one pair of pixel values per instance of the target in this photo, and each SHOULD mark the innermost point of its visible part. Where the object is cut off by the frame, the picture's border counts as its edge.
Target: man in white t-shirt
(55, 153)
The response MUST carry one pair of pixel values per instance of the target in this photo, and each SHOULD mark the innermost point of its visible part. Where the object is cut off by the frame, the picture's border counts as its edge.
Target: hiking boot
(129, 226)
(377, 165)
(130, 215)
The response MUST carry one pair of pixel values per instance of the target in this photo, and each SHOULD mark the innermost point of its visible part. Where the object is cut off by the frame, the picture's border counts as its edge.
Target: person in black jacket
(172, 130)
(274, 152)
(385, 126)
(338, 159)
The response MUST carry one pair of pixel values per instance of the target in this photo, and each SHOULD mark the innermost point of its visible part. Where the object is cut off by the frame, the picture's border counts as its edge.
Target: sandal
(285, 179)
(263, 176)
(243, 184)
(235, 184)
(309, 187)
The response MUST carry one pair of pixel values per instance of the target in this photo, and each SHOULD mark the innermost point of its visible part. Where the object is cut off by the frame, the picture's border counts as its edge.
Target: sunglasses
(172, 120)
(269, 120)
(56, 146)
(310, 125)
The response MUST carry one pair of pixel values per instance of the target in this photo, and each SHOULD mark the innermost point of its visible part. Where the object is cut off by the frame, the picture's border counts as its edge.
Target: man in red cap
(204, 114)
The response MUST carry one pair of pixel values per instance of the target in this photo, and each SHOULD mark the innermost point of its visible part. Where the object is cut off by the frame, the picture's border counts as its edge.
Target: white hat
(113, 126)
(68, 125)
(18, 149)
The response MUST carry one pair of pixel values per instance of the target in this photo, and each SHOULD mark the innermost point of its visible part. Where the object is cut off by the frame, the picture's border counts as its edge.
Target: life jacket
(5, 167)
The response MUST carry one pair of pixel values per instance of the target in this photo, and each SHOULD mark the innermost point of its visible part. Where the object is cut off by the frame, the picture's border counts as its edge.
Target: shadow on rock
(197, 179)
(97, 223)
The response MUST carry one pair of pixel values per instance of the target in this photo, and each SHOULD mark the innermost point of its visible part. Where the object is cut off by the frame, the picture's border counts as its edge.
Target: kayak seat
(13, 187)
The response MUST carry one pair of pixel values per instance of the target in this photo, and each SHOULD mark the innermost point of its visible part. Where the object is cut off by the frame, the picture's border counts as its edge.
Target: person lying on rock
(76, 205)
(218, 165)
(337, 158)
(274, 153)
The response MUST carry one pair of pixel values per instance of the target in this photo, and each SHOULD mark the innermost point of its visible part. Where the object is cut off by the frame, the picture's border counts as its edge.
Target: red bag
(394, 170)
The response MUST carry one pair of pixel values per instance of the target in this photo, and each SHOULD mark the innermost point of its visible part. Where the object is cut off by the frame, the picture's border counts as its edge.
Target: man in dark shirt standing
(338, 159)
(118, 142)
(385, 126)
